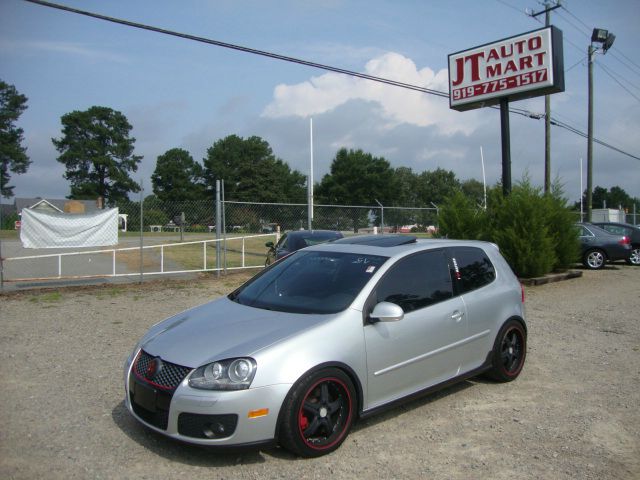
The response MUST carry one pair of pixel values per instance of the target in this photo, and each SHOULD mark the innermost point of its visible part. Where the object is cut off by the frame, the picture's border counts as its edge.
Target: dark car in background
(631, 231)
(295, 240)
(599, 246)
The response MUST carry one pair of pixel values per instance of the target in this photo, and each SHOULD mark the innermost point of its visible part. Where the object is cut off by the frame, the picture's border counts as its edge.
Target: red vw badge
(153, 368)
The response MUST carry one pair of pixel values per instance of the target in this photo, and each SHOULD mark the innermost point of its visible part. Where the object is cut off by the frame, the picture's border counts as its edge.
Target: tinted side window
(472, 268)
(417, 281)
(283, 242)
(585, 232)
(615, 229)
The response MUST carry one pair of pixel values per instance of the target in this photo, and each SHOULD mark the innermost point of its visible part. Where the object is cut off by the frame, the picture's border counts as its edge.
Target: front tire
(509, 352)
(318, 413)
(594, 259)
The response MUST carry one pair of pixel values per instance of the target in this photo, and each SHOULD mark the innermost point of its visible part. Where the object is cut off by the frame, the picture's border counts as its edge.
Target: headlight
(232, 374)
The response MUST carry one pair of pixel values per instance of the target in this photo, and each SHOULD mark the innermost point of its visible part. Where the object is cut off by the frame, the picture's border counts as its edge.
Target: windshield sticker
(371, 269)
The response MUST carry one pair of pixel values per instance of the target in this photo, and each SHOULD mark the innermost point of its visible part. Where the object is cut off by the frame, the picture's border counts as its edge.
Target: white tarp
(60, 230)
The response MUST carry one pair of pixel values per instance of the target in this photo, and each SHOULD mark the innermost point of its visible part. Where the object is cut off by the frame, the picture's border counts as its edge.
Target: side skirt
(429, 390)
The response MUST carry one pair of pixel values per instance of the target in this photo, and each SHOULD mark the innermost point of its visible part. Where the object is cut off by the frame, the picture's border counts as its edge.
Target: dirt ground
(573, 413)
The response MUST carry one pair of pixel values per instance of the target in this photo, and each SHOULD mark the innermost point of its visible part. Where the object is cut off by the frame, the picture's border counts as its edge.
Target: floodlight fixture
(600, 35)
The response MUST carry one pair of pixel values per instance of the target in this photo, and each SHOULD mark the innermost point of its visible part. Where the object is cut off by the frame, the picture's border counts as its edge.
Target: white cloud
(64, 48)
(326, 92)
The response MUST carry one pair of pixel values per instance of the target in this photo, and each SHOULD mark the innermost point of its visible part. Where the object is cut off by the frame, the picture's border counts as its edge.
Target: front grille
(167, 377)
(207, 426)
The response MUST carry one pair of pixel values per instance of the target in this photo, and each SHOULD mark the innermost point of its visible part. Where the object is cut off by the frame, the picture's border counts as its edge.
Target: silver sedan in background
(330, 334)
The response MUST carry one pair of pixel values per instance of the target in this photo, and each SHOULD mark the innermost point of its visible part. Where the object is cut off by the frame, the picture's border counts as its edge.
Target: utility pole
(547, 122)
(605, 38)
(547, 105)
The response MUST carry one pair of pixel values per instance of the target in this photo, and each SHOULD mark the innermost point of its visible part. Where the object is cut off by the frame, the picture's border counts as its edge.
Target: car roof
(379, 240)
(314, 233)
(598, 231)
(620, 224)
(394, 248)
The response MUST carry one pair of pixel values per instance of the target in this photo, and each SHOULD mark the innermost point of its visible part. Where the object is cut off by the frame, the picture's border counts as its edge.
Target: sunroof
(378, 240)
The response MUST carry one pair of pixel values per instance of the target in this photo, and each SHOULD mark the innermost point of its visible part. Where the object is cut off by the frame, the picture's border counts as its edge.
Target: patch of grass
(110, 292)
(49, 297)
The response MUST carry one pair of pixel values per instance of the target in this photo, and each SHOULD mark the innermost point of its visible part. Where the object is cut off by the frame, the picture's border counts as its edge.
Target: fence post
(218, 227)
(141, 229)
(381, 216)
(224, 224)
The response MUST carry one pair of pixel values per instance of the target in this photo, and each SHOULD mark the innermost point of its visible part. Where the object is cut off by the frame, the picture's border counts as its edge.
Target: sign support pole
(506, 146)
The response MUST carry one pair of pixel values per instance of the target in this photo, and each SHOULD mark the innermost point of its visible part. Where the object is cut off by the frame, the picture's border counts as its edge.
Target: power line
(605, 70)
(575, 65)
(615, 54)
(595, 140)
(506, 4)
(307, 63)
(240, 48)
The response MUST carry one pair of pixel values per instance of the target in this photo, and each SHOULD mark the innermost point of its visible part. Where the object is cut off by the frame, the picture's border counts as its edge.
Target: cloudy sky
(179, 93)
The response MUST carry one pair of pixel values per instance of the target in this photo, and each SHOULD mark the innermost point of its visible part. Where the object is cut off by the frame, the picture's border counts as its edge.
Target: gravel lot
(573, 413)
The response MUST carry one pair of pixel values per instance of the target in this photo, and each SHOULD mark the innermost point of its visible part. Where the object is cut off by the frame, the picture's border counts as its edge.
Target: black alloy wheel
(318, 413)
(509, 352)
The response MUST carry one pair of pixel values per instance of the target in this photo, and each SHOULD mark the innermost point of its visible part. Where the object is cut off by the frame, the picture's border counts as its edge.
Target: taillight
(625, 241)
(522, 290)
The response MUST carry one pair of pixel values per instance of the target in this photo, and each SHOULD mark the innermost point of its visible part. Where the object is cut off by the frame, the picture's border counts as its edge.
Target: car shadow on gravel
(190, 454)
(418, 402)
(199, 455)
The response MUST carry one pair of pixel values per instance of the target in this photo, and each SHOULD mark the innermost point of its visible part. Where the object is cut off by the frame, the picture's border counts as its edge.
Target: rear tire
(318, 413)
(594, 259)
(635, 256)
(509, 352)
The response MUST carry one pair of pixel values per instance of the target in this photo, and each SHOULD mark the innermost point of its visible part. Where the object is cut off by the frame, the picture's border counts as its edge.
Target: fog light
(213, 430)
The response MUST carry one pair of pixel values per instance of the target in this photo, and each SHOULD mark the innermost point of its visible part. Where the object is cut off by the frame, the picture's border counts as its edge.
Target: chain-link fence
(255, 218)
(265, 217)
(184, 237)
(159, 237)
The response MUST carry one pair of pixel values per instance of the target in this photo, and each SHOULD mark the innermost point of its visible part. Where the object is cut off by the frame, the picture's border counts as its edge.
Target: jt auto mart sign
(527, 65)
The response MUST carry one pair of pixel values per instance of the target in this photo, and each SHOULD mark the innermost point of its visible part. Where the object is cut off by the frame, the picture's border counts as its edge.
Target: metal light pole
(591, 51)
(602, 36)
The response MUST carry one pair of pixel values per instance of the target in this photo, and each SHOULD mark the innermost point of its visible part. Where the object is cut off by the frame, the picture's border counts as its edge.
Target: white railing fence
(232, 253)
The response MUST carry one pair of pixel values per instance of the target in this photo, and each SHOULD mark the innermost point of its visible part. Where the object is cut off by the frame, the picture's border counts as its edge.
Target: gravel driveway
(573, 413)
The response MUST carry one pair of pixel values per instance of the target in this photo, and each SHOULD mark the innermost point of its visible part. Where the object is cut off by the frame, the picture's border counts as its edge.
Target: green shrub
(561, 228)
(518, 223)
(460, 218)
(534, 231)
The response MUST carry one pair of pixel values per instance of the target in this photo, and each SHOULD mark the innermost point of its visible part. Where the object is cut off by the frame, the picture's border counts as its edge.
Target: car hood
(222, 329)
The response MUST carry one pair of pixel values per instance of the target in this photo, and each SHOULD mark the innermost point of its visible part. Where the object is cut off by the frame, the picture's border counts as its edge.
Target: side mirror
(269, 244)
(387, 312)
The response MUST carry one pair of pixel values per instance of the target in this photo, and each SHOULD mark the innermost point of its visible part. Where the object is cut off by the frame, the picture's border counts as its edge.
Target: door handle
(457, 315)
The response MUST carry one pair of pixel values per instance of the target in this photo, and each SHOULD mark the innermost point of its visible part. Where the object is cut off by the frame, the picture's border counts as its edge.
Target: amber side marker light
(263, 412)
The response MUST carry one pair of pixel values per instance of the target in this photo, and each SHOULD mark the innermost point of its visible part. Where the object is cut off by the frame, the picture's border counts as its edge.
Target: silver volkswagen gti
(333, 333)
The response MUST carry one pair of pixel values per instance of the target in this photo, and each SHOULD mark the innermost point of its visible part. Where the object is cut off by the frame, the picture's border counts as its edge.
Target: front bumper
(220, 418)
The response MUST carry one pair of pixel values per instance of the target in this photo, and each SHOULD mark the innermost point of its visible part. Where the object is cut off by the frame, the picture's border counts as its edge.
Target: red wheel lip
(523, 337)
(347, 421)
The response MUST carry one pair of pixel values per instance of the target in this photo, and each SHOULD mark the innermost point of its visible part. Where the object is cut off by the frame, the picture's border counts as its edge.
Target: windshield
(310, 282)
